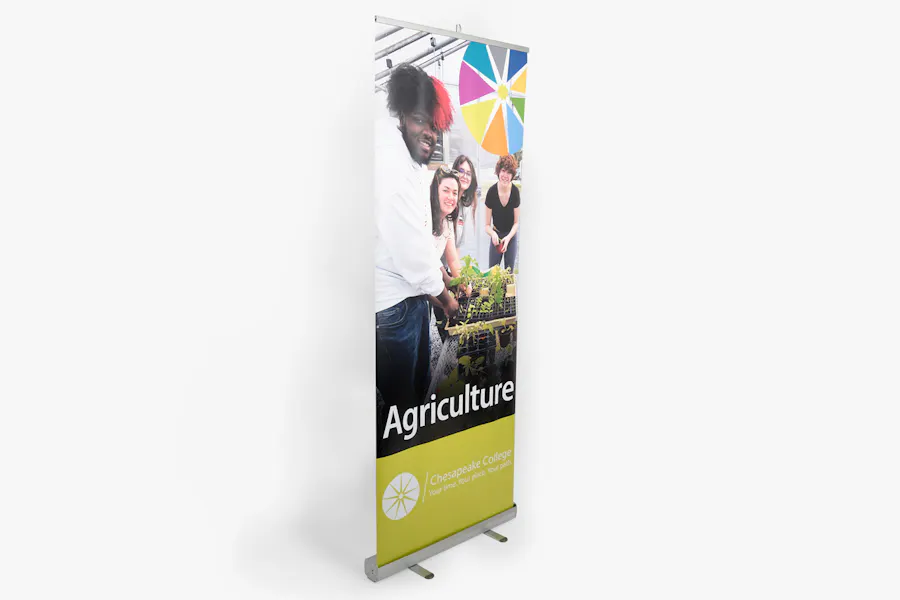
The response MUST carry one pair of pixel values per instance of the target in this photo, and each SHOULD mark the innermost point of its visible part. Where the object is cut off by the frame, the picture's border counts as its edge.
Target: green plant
(468, 274)
(472, 368)
(469, 331)
(479, 305)
(496, 281)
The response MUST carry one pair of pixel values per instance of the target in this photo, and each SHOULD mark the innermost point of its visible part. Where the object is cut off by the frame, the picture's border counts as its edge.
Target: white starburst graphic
(400, 496)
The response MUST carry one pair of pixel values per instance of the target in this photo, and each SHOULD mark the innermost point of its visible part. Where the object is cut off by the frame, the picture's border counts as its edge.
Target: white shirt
(405, 265)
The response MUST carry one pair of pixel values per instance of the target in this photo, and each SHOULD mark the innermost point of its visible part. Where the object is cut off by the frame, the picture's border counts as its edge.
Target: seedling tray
(469, 310)
(477, 343)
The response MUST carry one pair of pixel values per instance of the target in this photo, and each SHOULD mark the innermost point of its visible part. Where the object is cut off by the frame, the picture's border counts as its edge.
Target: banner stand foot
(419, 570)
(495, 536)
(411, 561)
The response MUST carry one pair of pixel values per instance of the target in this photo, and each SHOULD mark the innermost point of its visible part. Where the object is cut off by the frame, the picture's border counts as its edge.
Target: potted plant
(505, 336)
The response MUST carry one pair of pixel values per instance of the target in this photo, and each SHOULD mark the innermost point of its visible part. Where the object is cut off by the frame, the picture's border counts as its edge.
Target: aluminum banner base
(376, 573)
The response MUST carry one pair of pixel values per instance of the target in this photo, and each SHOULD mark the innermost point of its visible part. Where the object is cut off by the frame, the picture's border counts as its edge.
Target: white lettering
(393, 421)
(411, 425)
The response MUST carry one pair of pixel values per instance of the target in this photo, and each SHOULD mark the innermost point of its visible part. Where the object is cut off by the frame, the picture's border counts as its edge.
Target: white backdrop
(708, 389)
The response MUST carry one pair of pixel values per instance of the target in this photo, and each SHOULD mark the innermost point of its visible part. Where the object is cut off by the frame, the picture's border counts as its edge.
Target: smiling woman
(501, 209)
(445, 188)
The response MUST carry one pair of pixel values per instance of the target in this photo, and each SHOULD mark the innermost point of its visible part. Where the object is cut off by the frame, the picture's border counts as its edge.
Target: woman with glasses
(501, 213)
(468, 205)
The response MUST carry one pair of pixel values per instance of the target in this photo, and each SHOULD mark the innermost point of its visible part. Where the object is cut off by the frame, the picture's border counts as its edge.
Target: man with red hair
(423, 107)
(407, 275)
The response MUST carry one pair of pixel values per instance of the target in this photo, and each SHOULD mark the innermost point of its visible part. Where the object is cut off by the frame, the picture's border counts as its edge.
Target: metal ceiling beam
(445, 32)
(389, 31)
(387, 72)
(444, 54)
(400, 44)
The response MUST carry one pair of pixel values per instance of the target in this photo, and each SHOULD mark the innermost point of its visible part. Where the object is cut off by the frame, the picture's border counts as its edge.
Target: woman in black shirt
(501, 213)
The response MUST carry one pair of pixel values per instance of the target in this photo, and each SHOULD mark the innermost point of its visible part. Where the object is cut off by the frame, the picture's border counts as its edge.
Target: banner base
(376, 573)
(496, 536)
(422, 572)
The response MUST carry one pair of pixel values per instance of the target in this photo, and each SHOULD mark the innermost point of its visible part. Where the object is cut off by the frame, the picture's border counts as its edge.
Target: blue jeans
(402, 354)
(509, 257)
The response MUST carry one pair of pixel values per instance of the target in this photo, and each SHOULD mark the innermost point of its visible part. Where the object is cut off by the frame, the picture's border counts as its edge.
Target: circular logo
(400, 496)
(492, 96)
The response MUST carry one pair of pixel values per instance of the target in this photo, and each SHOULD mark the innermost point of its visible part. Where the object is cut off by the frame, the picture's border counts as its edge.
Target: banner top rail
(445, 32)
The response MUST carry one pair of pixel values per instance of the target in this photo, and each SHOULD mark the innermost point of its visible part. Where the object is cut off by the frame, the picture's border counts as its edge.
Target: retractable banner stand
(449, 113)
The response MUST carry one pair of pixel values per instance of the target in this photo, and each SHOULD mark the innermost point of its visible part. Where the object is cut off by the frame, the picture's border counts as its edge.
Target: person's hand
(495, 239)
(452, 307)
(503, 244)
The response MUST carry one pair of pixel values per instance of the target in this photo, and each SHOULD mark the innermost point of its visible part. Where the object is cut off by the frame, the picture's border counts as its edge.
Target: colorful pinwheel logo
(492, 96)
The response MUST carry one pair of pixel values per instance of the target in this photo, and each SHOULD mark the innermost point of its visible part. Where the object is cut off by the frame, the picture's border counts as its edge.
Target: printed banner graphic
(449, 130)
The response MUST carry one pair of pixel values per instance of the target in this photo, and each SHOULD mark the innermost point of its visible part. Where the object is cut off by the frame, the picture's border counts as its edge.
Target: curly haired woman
(501, 214)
